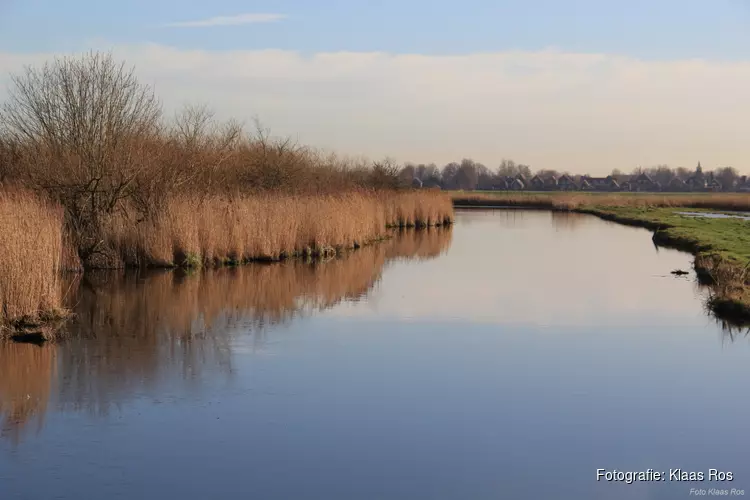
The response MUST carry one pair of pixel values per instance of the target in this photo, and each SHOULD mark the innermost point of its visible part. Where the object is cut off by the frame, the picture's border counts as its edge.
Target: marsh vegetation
(94, 175)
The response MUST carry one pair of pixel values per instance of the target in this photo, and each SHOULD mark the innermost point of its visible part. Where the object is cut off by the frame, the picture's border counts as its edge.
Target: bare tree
(448, 175)
(507, 168)
(728, 177)
(407, 175)
(683, 173)
(385, 174)
(84, 125)
(467, 176)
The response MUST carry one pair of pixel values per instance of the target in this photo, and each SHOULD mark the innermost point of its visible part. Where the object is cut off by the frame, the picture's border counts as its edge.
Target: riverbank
(721, 246)
(188, 232)
(110, 182)
(569, 200)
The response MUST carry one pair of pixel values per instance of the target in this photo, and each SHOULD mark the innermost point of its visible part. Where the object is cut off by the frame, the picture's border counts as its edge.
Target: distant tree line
(472, 175)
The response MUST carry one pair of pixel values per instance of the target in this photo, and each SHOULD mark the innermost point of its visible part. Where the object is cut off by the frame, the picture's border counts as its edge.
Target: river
(510, 357)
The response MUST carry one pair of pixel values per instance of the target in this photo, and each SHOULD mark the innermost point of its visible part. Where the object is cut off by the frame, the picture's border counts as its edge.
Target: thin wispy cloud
(236, 20)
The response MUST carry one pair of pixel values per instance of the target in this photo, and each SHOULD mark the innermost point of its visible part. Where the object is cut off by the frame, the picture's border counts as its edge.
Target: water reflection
(27, 373)
(535, 343)
(136, 332)
(566, 221)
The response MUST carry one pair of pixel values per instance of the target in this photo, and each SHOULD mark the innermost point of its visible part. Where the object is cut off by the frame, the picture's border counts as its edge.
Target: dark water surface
(508, 358)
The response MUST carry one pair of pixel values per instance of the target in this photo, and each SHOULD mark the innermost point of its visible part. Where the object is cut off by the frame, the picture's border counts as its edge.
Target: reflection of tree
(567, 220)
(26, 377)
(134, 331)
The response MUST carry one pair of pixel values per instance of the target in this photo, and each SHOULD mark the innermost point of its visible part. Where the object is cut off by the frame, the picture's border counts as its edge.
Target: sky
(578, 85)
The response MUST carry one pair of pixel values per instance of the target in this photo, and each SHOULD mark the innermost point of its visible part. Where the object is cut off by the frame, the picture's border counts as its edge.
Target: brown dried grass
(571, 201)
(221, 229)
(31, 253)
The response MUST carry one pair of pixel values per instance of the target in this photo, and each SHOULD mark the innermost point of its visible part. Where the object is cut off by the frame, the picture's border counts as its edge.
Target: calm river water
(508, 358)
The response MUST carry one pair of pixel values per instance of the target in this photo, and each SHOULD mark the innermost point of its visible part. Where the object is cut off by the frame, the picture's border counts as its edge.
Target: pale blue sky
(660, 29)
(580, 85)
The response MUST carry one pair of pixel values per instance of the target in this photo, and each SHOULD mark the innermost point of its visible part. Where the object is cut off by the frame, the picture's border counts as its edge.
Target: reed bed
(572, 201)
(31, 251)
(116, 183)
(233, 229)
(190, 232)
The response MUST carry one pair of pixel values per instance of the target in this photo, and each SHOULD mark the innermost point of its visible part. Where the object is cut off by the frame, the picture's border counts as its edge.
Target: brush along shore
(188, 233)
(109, 181)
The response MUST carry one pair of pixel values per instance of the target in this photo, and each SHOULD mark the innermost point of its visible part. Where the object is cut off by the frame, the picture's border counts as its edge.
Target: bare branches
(86, 132)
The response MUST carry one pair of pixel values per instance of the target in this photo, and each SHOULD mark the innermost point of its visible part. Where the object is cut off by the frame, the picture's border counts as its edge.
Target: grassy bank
(721, 246)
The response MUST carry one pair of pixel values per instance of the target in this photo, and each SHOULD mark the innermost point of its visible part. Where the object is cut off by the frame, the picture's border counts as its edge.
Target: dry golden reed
(139, 189)
(218, 229)
(193, 231)
(571, 201)
(31, 249)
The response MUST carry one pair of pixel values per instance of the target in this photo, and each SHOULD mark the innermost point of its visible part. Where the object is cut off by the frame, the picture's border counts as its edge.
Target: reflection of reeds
(132, 329)
(26, 376)
(423, 244)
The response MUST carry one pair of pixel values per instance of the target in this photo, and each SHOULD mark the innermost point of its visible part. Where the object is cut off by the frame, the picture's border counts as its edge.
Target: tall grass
(129, 187)
(190, 231)
(571, 201)
(31, 249)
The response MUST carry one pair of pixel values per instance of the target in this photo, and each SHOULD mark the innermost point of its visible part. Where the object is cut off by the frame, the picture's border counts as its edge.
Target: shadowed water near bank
(525, 350)
(132, 329)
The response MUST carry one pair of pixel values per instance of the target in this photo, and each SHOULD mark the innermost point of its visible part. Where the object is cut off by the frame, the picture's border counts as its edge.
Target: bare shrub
(83, 126)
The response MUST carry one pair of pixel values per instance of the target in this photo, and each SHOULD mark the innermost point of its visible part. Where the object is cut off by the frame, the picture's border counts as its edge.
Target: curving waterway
(508, 357)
